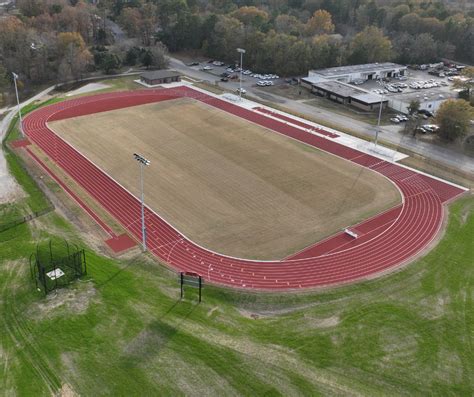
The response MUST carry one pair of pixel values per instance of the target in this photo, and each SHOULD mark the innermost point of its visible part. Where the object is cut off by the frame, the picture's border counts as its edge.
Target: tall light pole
(380, 115)
(242, 52)
(143, 162)
(15, 77)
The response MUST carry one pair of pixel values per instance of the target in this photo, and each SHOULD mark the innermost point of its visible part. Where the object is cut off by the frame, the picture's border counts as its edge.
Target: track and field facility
(227, 183)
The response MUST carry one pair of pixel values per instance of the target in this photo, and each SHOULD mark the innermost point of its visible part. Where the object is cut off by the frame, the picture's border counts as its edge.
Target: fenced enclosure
(56, 264)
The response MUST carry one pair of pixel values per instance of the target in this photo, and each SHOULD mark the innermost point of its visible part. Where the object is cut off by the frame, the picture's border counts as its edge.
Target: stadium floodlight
(242, 52)
(15, 77)
(380, 112)
(143, 162)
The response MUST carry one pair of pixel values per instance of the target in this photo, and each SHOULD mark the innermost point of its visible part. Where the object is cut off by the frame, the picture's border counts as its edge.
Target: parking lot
(230, 73)
(414, 78)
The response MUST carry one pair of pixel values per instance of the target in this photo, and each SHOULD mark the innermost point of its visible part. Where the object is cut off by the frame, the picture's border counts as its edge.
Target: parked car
(395, 120)
(224, 79)
(242, 91)
(426, 112)
(431, 127)
(193, 64)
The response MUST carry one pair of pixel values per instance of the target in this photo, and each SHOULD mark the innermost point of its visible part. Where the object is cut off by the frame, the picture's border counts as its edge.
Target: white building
(429, 100)
(349, 74)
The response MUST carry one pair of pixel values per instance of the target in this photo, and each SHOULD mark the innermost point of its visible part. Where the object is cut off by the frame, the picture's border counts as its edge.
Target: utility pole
(380, 115)
(242, 52)
(15, 77)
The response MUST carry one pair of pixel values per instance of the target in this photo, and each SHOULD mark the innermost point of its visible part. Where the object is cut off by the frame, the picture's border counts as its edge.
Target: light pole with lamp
(380, 114)
(242, 52)
(143, 162)
(15, 77)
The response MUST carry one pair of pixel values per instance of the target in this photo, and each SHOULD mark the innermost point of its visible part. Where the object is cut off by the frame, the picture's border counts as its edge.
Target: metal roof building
(349, 74)
(345, 94)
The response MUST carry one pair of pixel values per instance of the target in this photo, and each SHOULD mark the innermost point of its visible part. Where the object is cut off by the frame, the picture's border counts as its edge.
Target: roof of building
(338, 88)
(159, 74)
(424, 95)
(346, 91)
(369, 99)
(368, 67)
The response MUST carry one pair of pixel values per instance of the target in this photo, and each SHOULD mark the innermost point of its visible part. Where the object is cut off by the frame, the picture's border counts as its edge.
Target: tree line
(291, 36)
(47, 40)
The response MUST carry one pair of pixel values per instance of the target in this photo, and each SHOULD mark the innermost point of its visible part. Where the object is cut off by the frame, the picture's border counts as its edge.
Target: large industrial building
(350, 74)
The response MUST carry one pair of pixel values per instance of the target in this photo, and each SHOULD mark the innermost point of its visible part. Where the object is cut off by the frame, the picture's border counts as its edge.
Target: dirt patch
(66, 391)
(228, 184)
(466, 212)
(212, 311)
(73, 300)
(328, 322)
(140, 345)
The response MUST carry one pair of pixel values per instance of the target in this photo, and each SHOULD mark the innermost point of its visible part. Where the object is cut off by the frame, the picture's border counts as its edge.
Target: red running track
(417, 222)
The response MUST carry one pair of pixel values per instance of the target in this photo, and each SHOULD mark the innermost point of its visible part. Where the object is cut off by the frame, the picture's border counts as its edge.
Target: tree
(424, 49)
(320, 23)
(158, 56)
(325, 52)
(288, 24)
(250, 16)
(4, 83)
(74, 54)
(414, 106)
(454, 117)
(466, 82)
(369, 46)
(110, 63)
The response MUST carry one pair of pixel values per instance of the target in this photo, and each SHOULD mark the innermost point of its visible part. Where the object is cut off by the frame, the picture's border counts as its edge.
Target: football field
(226, 183)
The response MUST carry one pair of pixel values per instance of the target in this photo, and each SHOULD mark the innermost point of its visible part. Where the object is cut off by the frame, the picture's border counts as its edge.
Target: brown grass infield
(226, 183)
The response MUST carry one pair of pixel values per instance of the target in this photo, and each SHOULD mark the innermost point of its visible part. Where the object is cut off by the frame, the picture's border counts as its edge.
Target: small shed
(156, 77)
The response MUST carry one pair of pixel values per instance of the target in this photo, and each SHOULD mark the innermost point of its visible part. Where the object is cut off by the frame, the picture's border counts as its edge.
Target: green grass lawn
(123, 330)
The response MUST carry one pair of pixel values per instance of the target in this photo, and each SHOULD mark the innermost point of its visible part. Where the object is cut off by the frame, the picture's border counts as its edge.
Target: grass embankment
(125, 332)
(34, 199)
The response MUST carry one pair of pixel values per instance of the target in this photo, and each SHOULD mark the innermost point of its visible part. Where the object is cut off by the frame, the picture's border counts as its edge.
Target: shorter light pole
(143, 162)
(15, 77)
(242, 52)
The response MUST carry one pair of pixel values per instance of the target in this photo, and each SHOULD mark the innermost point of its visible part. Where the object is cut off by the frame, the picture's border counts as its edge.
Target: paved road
(390, 134)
